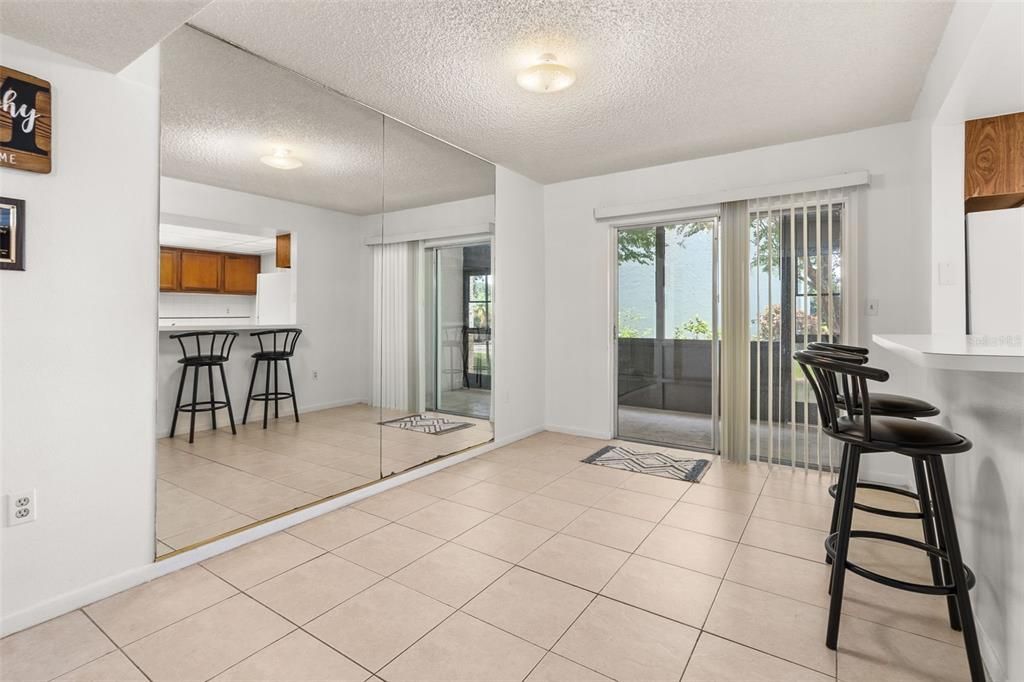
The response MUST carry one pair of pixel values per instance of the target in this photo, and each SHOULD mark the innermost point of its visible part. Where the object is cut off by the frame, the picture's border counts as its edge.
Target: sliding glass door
(667, 334)
(459, 319)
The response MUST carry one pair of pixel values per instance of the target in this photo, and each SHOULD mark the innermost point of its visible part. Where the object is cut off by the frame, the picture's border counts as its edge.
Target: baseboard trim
(582, 433)
(257, 414)
(101, 589)
(526, 433)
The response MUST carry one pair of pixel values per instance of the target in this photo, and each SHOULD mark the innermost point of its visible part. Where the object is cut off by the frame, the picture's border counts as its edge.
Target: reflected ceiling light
(548, 76)
(281, 159)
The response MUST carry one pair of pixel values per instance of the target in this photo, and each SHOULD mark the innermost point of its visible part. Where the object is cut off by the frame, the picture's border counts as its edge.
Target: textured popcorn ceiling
(221, 109)
(110, 34)
(658, 81)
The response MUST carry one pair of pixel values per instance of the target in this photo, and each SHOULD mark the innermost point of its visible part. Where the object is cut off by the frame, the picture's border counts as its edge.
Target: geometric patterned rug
(421, 423)
(654, 463)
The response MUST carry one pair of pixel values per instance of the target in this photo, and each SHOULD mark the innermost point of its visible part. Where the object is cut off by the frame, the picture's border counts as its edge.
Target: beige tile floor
(222, 482)
(522, 564)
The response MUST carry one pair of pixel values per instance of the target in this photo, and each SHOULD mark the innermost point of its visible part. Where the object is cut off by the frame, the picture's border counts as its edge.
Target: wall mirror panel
(436, 286)
(271, 188)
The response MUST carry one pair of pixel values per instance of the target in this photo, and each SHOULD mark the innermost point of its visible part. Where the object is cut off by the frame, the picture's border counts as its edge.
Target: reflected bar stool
(276, 345)
(882, 405)
(216, 352)
(923, 442)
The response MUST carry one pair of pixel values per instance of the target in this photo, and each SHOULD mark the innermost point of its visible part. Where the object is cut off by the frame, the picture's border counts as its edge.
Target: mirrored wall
(326, 294)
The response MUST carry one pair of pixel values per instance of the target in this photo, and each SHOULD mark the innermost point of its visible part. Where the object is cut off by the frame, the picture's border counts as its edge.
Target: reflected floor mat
(421, 423)
(653, 463)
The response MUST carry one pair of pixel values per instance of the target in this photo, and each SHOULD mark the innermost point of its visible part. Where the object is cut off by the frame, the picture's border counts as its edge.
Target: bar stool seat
(202, 360)
(896, 434)
(898, 406)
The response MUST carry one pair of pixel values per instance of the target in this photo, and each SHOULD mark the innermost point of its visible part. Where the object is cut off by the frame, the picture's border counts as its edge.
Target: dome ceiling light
(281, 159)
(548, 76)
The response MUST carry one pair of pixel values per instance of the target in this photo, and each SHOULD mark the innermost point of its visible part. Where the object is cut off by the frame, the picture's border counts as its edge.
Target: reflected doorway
(667, 334)
(460, 287)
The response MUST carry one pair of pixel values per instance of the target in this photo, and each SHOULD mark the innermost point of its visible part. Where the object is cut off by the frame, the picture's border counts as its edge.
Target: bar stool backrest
(217, 343)
(837, 347)
(279, 340)
(832, 375)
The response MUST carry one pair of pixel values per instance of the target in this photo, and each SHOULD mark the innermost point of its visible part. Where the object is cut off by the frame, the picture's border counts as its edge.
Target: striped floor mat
(653, 463)
(422, 423)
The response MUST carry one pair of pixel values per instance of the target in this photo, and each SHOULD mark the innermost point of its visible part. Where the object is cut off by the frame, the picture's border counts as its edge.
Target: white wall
(893, 251)
(451, 218)
(331, 265)
(520, 291)
(978, 71)
(78, 341)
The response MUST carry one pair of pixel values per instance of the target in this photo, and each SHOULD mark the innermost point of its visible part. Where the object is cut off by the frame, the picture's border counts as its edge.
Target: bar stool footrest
(210, 406)
(942, 590)
(833, 491)
(272, 396)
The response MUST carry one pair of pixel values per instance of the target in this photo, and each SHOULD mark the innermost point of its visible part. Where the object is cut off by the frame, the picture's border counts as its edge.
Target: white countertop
(222, 327)
(978, 353)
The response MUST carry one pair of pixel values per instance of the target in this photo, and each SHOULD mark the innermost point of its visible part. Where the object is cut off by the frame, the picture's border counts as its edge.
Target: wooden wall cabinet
(240, 274)
(201, 271)
(284, 250)
(170, 269)
(208, 272)
(994, 163)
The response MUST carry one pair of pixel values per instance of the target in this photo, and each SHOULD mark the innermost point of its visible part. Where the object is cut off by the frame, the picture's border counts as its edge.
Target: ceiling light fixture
(548, 76)
(281, 159)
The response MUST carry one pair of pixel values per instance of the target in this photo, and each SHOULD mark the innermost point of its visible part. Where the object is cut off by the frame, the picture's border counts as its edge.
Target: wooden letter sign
(25, 121)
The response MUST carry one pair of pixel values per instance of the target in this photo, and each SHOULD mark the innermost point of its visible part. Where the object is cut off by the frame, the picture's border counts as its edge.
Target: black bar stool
(217, 350)
(276, 345)
(922, 441)
(882, 405)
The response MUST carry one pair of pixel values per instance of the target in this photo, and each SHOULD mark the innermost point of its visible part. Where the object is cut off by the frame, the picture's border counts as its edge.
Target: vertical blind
(393, 292)
(796, 275)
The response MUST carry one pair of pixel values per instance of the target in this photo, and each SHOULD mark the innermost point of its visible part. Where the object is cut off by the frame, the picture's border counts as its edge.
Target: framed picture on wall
(12, 234)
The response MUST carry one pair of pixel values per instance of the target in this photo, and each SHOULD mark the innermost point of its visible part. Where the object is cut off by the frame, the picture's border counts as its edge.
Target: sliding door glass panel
(667, 324)
(796, 299)
(435, 317)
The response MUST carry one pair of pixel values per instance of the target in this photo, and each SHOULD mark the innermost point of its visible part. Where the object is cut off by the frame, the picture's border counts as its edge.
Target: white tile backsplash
(192, 308)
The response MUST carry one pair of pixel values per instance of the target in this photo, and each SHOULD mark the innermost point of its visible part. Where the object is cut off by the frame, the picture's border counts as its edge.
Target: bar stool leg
(266, 395)
(928, 525)
(248, 397)
(177, 401)
(835, 504)
(291, 388)
(842, 545)
(276, 409)
(944, 510)
(213, 397)
(195, 395)
(947, 574)
(227, 399)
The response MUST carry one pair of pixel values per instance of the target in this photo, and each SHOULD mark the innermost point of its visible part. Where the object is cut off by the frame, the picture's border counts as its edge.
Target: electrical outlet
(316, 375)
(21, 508)
(872, 310)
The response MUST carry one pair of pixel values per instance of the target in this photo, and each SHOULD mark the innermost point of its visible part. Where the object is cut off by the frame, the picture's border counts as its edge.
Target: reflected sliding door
(667, 334)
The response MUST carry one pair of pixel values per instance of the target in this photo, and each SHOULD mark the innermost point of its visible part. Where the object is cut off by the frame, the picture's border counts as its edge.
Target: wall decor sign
(12, 234)
(26, 121)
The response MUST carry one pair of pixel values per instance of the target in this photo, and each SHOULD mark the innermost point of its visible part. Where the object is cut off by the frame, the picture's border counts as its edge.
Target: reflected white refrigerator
(995, 272)
(275, 298)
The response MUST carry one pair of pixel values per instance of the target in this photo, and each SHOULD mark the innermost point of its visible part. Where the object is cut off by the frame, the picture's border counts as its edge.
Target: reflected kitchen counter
(221, 327)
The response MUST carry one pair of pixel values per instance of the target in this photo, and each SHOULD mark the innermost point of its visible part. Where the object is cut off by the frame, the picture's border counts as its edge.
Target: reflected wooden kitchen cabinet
(240, 274)
(201, 271)
(208, 272)
(170, 270)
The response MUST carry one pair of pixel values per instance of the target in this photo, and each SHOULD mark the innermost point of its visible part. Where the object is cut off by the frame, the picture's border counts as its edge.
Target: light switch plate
(947, 274)
(872, 309)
